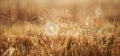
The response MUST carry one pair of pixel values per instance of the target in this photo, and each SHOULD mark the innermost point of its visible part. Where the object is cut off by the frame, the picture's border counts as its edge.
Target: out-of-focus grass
(15, 41)
(84, 30)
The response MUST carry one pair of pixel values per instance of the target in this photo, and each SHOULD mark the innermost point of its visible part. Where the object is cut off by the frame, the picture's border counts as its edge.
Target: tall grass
(87, 43)
(83, 31)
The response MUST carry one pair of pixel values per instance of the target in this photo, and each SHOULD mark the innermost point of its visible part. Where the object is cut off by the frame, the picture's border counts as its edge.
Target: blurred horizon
(80, 9)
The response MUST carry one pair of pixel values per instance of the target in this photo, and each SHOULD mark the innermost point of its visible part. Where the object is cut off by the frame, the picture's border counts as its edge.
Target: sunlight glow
(51, 28)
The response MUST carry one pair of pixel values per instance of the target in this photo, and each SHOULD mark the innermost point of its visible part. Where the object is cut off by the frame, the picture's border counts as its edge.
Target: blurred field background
(59, 28)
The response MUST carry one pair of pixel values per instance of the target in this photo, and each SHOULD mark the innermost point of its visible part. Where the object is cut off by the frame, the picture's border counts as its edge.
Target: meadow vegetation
(90, 28)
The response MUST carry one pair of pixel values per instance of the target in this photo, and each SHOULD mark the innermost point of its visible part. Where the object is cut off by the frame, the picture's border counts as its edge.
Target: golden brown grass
(84, 28)
(83, 45)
